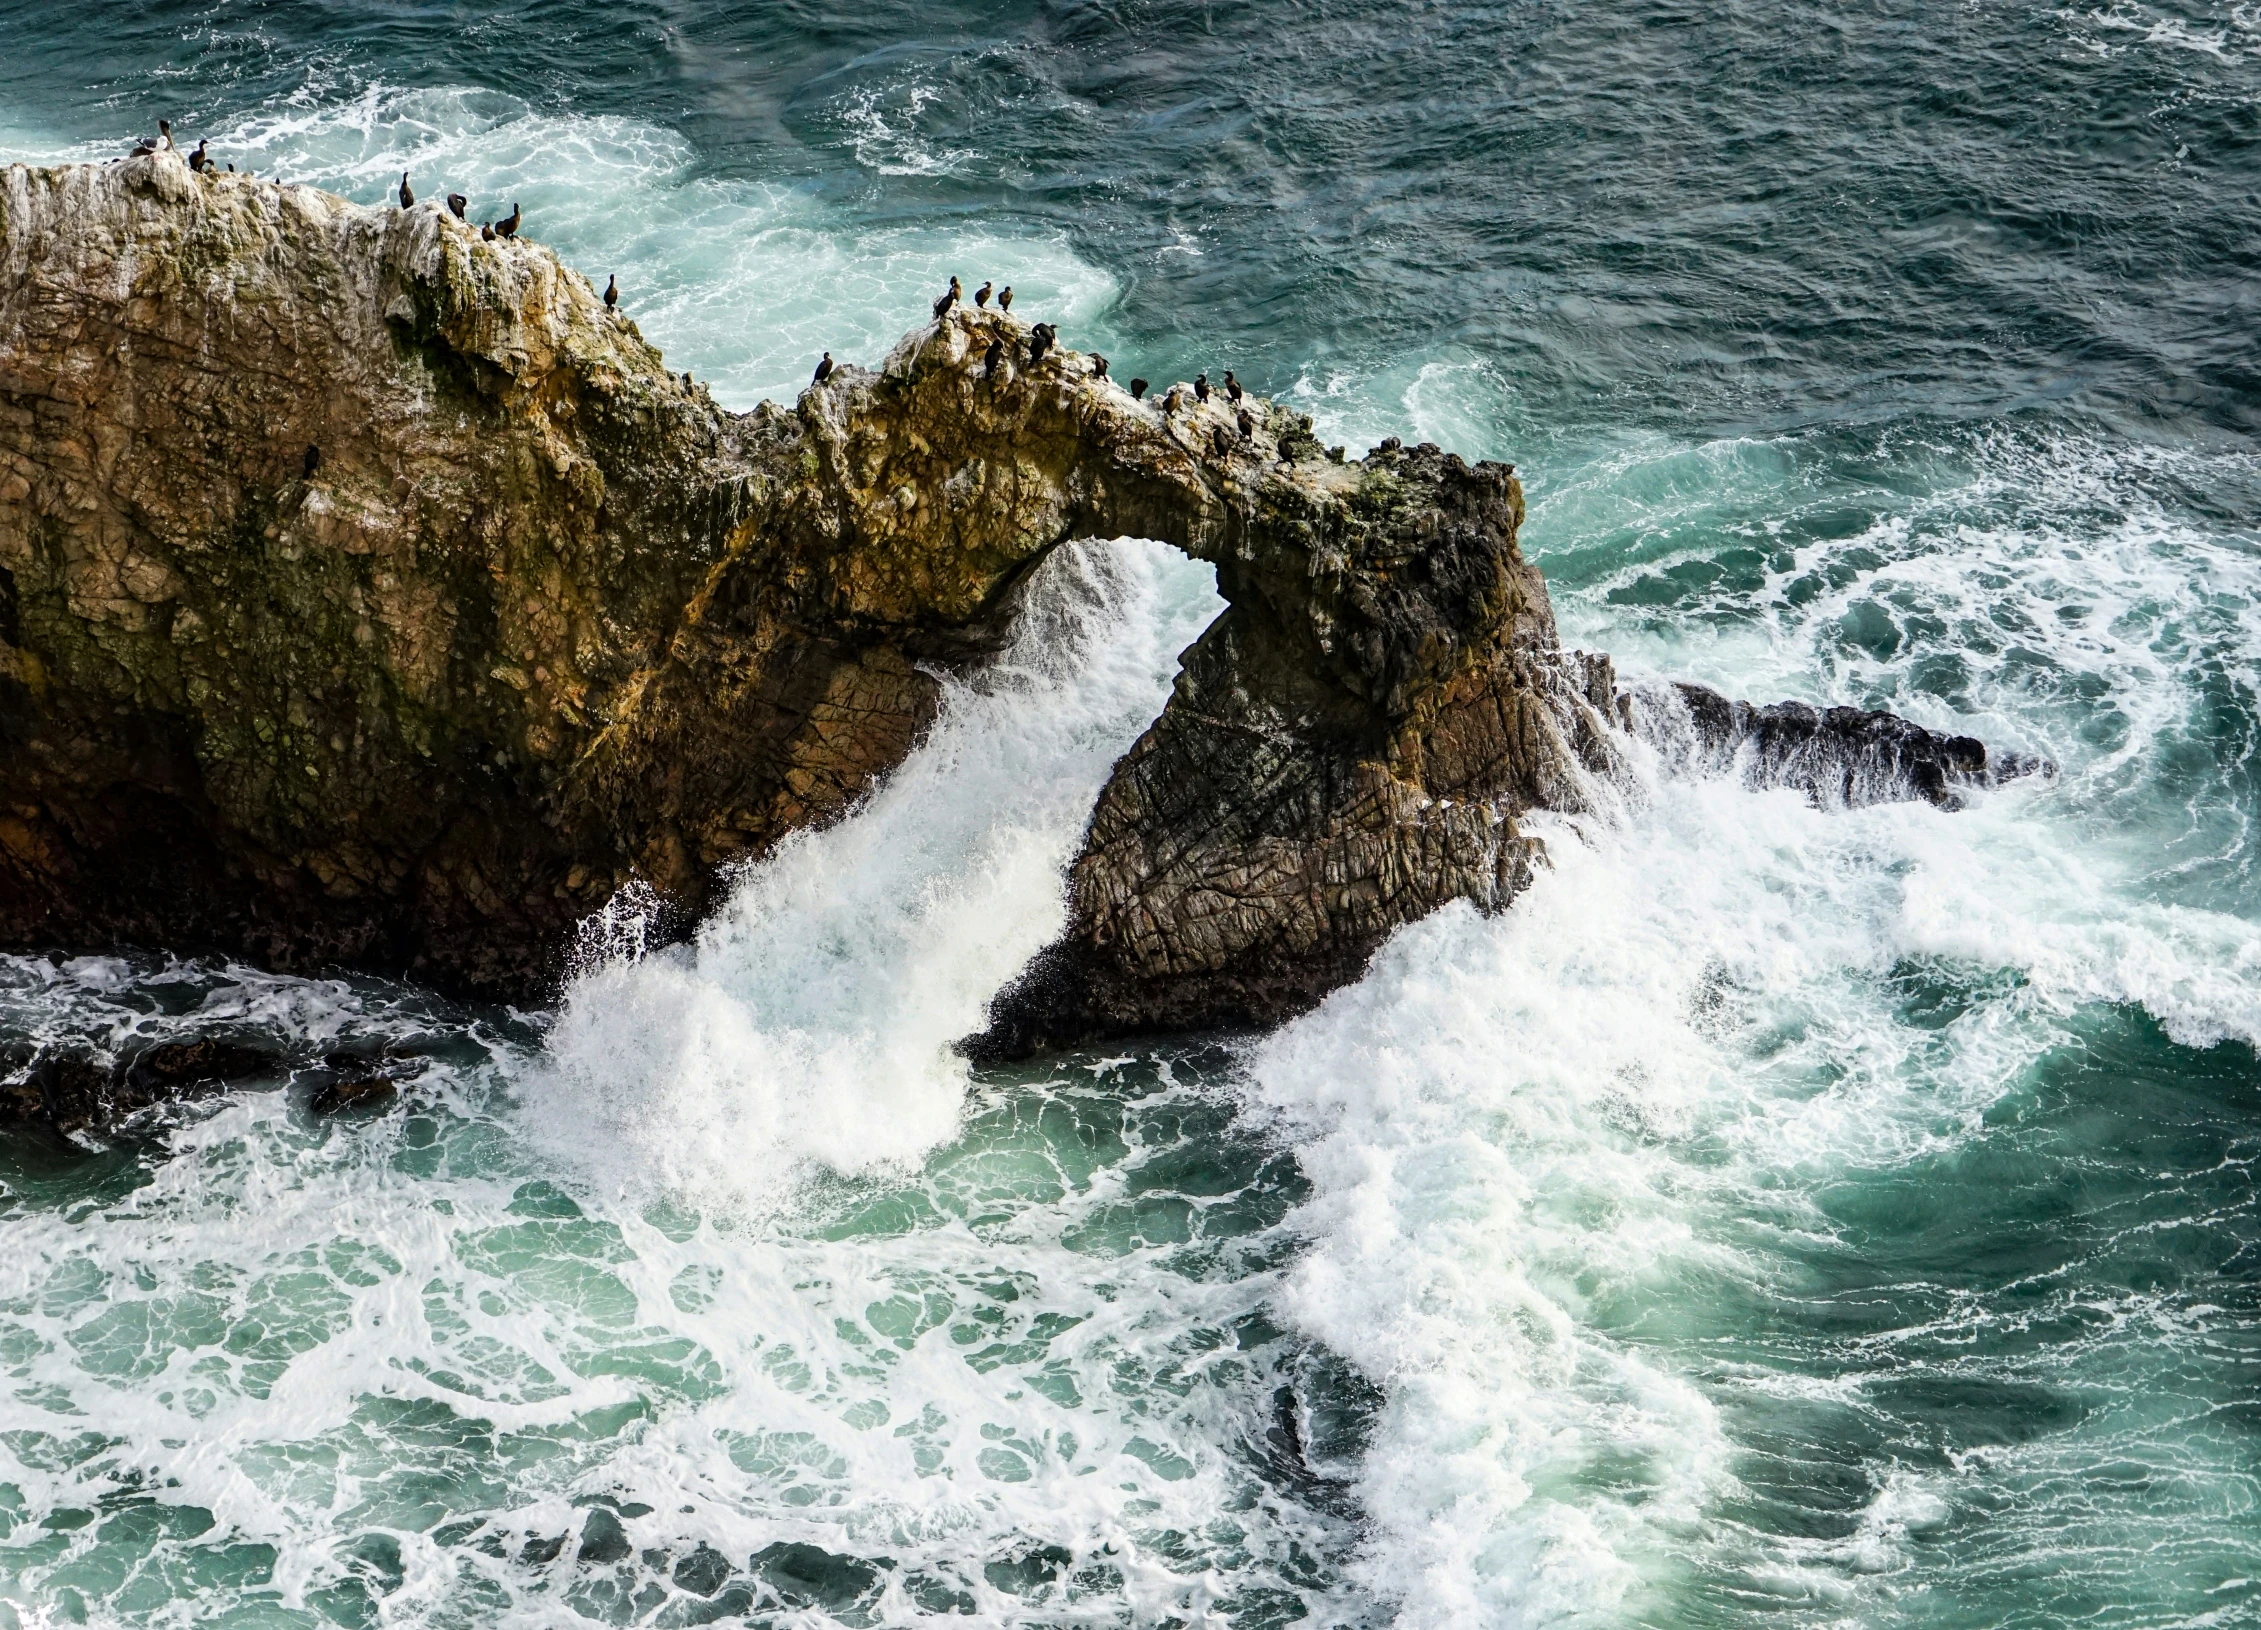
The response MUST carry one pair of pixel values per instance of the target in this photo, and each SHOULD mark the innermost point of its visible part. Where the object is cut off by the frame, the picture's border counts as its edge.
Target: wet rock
(172, 1068)
(77, 1090)
(539, 623)
(354, 1092)
(1839, 757)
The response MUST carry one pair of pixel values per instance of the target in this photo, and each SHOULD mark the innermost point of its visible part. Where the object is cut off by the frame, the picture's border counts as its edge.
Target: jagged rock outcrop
(371, 596)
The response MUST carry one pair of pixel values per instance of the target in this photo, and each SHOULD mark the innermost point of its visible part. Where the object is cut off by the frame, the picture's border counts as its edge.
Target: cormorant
(486, 232)
(1005, 298)
(407, 198)
(687, 380)
(1247, 426)
(199, 161)
(231, 169)
(990, 358)
(1138, 390)
(1171, 402)
(1218, 444)
(948, 298)
(507, 227)
(1232, 385)
(1201, 387)
(1098, 365)
(457, 204)
(313, 460)
(823, 370)
(612, 291)
(981, 297)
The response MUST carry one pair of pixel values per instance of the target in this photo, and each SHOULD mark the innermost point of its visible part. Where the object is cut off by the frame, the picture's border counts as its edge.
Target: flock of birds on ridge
(1042, 337)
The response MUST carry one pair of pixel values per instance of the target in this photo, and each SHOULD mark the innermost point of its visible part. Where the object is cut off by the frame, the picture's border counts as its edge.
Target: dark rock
(74, 1090)
(353, 1092)
(1838, 757)
(807, 1576)
(543, 624)
(172, 1068)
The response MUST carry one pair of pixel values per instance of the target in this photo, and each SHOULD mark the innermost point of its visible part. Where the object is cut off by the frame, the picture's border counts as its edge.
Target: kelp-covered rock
(371, 595)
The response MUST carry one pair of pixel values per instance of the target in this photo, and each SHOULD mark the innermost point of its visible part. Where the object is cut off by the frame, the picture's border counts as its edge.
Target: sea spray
(812, 1020)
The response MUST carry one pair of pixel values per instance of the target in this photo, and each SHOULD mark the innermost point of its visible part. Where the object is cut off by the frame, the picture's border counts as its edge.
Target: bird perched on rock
(1005, 298)
(686, 381)
(165, 134)
(981, 297)
(991, 357)
(407, 198)
(1218, 444)
(948, 299)
(1039, 342)
(486, 232)
(457, 204)
(312, 461)
(612, 291)
(823, 370)
(1173, 401)
(199, 161)
(1098, 366)
(1201, 387)
(507, 227)
(1138, 390)
(1247, 426)
(1232, 385)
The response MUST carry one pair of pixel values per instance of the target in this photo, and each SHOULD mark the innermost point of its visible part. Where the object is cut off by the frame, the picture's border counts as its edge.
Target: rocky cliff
(371, 596)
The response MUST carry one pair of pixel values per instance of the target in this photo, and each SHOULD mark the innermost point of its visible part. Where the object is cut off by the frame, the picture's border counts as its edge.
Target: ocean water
(1776, 1218)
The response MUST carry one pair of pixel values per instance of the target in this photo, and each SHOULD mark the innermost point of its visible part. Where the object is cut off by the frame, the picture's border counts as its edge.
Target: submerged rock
(72, 1089)
(371, 595)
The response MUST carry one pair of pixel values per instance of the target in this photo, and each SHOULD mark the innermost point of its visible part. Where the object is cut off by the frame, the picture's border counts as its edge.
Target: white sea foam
(1589, 1101)
(811, 1020)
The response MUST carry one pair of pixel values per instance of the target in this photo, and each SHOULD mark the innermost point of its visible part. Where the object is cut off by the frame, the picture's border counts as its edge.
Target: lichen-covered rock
(371, 595)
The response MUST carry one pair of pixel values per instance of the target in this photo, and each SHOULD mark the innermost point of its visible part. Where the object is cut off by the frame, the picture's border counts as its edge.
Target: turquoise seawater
(1778, 1217)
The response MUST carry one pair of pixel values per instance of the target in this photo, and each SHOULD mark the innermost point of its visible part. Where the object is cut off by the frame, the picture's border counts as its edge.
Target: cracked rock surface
(370, 596)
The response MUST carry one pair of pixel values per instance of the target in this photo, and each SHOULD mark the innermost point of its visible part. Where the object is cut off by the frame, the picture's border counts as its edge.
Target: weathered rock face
(369, 595)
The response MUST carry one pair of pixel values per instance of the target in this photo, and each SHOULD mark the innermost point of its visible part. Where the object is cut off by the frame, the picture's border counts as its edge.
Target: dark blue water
(1777, 1217)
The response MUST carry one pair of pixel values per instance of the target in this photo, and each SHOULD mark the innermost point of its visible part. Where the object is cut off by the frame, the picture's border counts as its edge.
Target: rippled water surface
(1778, 1217)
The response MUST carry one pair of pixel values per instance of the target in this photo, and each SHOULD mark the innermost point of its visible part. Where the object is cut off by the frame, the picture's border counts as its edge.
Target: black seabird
(949, 298)
(612, 291)
(1039, 342)
(1247, 426)
(1098, 365)
(1218, 444)
(823, 370)
(1138, 390)
(686, 379)
(507, 227)
(1201, 387)
(486, 232)
(1005, 298)
(457, 204)
(991, 357)
(407, 198)
(1172, 400)
(313, 460)
(199, 161)
(1232, 385)
(981, 297)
